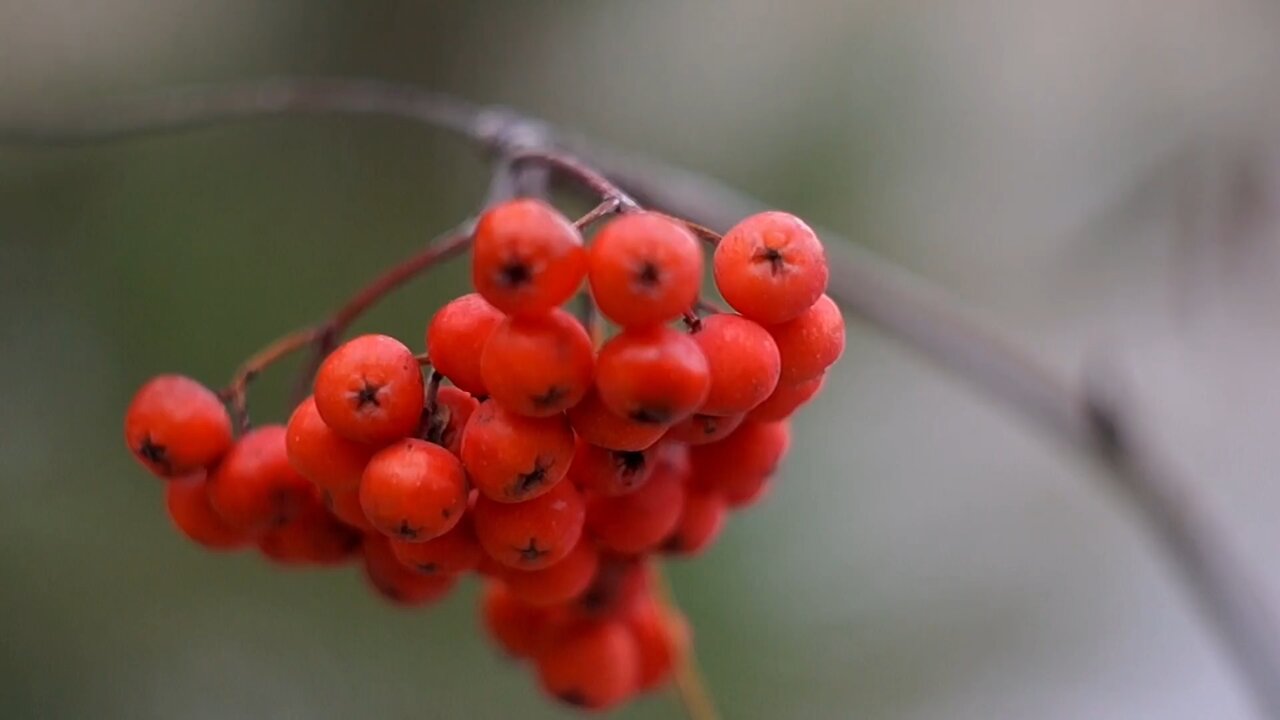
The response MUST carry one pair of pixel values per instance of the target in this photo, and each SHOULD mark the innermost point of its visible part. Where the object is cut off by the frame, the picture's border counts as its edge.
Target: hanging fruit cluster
(564, 453)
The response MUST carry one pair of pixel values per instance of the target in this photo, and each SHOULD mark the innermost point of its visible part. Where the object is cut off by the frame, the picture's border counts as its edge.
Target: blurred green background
(1090, 174)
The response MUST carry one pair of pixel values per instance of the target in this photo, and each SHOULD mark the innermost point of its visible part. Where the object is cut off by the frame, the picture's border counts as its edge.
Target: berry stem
(691, 685)
(608, 206)
(581, 173)
(711, 237)
(236, 395)
(691, 320)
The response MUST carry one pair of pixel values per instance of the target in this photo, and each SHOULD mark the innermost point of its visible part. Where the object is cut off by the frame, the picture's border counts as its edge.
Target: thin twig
(607, 207)
(235, 393)
(691, 686)
(581, 173)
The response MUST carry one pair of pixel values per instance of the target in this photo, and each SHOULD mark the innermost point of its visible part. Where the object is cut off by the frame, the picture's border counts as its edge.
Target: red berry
(175, 426)
(534, 534)
(594, 665)
(453, 411)
(786, 399)
(701, 520)
(558, 583)
(620, 585)
(370, 390)
(456, 337)
(810, 343)
(255, 488)
(456, 551)
(512, 458)
(702, 429)
(527, 258)
(662, 637)
(313, 536)
(323, 456)
(520, 629)
(540, 365)
(638, 522)
(652, 375)
(738, 464)
(397, 583)
(414, 490)
(610, 472)
(770, 267)
(744, 363)
(187, 500)
(645, 269)
(345, 505)
(599, 425)
(747, 491)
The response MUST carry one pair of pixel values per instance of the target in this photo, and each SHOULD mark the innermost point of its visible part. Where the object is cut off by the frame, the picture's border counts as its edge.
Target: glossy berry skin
(534, 534)
(187, 500)
(652, 375)
(744, 363)
(175, 426)
(558, 583)
(702, 518)
(397, 583)
(593, 665)
(644, 269)
(370, 390)
(738, 464)
(662, 637)
(312, 537)
(599, 425)
(512, 458)
(527, 257)
(457, 335)
(255, 488)
(702, 429)
(321, 455)
(345, 505)
(538, 366)
(453, 411)
(456, 551)
(770, 267)
(414, 490)
(621, 584)
(786, 399)
(810, 343)
(520, 629)
(640, 521)
(611, 472)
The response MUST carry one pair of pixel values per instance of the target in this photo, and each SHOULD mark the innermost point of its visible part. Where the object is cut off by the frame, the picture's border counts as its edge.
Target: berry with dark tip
(370, 390)
(644, 269)
(538, 366)
(414, 491)
(770, 267)
(653, 375)
(512, 458)
(175, 426)
(255, 488)
(533, 534)
(811, 342)
(457, 335)
(527, 258)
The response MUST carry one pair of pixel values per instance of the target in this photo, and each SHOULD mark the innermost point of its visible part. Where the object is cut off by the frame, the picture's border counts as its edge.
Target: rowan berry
(533, 534)
(746, 491)
(702, 429)
(345, 505)
(456, 551)
(770, 267)
(520, 629)
(639, 521)
(811, 342)
(512, 458)
(323, 456)
(397, 583)
(701, 519)
(620, 585)
(370, 390)
(255, 488)
(610, 472)
(527, 257)
(414, 490)
(662, 638)
(652, 375)
(593, 665)
(644, 269)
(540, 365)
(786, 399)
(452, 413)
(599, 425)
(743, 360)
(738, 464)
(558, 583)
(187, 500)
(313, 536)
(457, 335)
(175, 426)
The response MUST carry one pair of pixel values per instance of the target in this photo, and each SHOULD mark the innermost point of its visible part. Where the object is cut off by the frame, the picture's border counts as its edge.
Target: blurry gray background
(1096, 177)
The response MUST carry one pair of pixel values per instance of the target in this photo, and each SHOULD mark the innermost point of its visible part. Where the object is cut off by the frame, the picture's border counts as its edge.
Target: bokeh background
(1098, 178)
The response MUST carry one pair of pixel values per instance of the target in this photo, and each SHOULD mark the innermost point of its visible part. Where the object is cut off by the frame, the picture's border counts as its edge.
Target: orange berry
(255, 488)
(512, 458)
(533, 534)
(770, 267)
(397, 583)
(345, 505)
(520, 629)
(811, 342)
(652, 375)
(701, 520)
(175, 426)
(610, 472)
(321, 455)
(454, 552)
(414, 490)
(538, 366)
(743, 360)
(593, 665)
(600, 426)
(644, 269)
(738, 465)
(786, 399)
(187, 500)
(313, 537)
(370, 390)
(702, 429)
(456, 337)
(639, 521)
(453, 411)
(662, 638)
(558, 583)
(527, 257)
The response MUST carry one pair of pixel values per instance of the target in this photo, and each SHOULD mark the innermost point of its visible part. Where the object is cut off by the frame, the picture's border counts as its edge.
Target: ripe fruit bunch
(557, 461)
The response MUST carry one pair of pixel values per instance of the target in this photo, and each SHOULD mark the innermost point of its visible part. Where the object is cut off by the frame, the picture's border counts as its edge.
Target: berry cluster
(556, 462)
